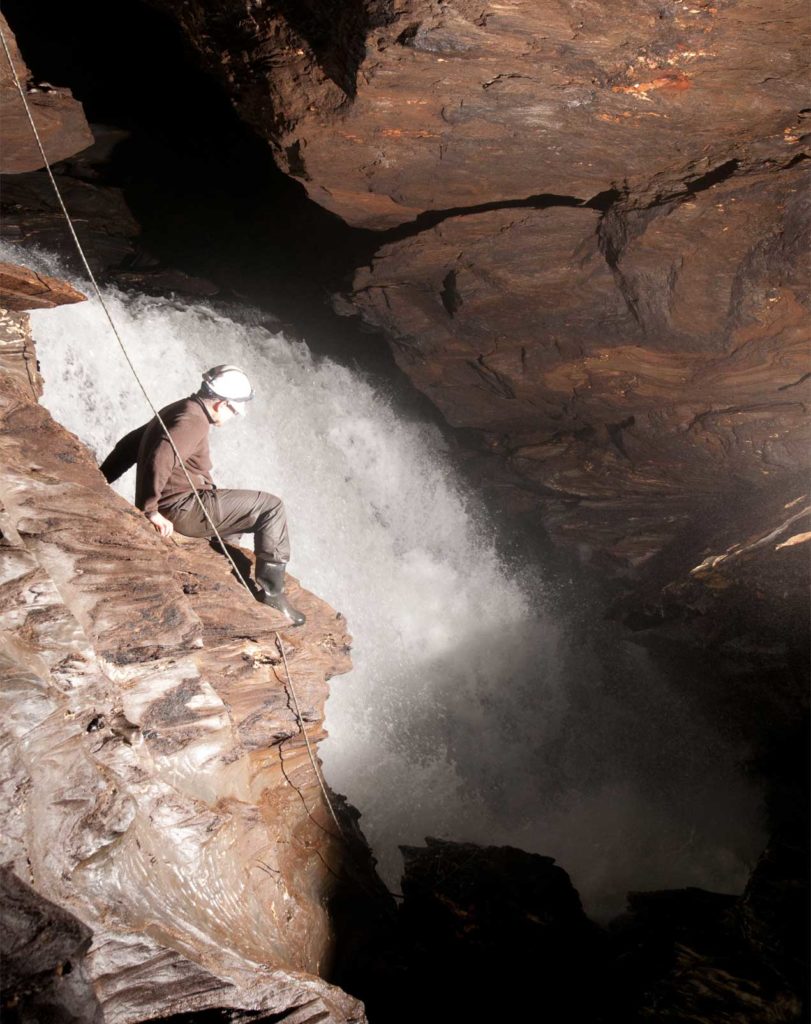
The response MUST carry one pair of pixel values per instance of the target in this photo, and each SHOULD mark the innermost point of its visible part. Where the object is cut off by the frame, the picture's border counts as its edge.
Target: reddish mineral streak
(672, 82)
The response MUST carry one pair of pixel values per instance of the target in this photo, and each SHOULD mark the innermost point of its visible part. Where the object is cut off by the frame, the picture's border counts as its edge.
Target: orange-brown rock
(386, 110)
(59, 118)
(21, 288)
(630, 367)
(155, 778)
(590, 224)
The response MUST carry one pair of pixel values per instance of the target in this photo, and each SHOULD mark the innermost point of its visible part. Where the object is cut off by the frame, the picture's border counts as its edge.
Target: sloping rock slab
(51, 490)
(154, 778)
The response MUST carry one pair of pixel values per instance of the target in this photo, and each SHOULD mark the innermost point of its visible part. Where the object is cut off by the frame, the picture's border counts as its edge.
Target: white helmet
(228, 383)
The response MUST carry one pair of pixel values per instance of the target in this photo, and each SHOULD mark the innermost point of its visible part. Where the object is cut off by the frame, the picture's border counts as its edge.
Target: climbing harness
(157, 415)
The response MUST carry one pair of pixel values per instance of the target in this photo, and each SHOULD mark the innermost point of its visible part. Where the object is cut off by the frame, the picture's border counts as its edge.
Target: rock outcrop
(21, 289)
(627, 367)
(104, 224)
(590, 223)
(31, 216)
(42, 950)
(689, 955)
(59, 118)
(156, 784)
(495, 933)
(80, 158)
(387, 110)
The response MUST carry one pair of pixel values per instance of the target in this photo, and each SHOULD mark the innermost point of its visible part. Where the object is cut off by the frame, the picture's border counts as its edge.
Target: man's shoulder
(186, 411)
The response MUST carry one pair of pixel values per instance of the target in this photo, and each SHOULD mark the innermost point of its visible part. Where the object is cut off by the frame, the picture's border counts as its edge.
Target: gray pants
(235, 512)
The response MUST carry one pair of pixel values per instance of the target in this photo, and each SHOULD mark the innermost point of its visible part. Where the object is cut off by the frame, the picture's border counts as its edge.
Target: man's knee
(270, 503)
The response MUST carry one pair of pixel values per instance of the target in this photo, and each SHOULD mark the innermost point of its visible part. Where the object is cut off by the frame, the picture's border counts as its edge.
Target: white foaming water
(467, 715)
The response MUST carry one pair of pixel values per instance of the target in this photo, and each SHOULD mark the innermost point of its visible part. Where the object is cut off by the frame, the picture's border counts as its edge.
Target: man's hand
(161, 524)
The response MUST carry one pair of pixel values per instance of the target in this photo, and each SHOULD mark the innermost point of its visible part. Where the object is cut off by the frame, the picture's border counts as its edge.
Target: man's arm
(155, 466)
(123, 456)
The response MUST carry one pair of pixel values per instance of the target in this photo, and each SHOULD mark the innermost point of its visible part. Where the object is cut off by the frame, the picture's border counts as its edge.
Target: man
(162, 488)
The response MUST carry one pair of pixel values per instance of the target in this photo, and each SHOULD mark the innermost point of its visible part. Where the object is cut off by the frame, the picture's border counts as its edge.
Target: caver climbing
(171, 471)
(126, 451)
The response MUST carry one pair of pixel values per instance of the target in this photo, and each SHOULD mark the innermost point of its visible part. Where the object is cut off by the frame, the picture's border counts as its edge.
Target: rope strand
(158, 417)
(280, 645)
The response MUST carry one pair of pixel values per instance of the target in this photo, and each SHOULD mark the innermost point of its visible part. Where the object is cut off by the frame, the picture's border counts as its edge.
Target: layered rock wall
(385, 110)
(628, 367)
(590, 222)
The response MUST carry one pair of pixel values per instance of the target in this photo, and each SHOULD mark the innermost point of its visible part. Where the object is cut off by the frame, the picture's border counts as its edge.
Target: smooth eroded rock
(155, 779)
(21, 289)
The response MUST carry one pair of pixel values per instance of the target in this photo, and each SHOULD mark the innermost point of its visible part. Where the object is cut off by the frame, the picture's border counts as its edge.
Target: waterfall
(471, 712)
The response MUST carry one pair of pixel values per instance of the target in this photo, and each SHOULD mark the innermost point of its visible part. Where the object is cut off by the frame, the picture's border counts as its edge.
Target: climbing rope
(157, 416)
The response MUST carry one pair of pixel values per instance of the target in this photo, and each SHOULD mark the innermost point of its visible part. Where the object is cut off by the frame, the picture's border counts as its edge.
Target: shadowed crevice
(431, 218)
(713, 177)
(336, 31)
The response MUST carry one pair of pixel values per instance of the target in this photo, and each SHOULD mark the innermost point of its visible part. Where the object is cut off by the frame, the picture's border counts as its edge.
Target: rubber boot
(270, 577)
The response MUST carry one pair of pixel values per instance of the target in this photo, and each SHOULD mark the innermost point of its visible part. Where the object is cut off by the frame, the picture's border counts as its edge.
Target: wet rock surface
(473, 916)
(725, 610)
(688, 955)
(43, 948)
(617, 371)
(156, 782)
(104, 224)
(621, 346)
(23, 289)
(625, 345)
(31, 216)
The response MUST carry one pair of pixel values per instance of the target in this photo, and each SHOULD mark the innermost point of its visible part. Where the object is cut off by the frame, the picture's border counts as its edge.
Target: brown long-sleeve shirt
(160, 481)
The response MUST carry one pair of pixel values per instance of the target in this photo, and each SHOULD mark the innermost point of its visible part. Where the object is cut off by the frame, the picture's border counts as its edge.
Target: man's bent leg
(272, 544)
(187, 517)
(234, 512)
(259, 513)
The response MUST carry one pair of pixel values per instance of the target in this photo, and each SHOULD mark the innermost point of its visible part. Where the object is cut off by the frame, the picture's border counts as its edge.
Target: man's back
(160, 480)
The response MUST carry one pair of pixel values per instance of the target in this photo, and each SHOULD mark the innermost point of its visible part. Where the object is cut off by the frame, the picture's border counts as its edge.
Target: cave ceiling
(590, 219)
